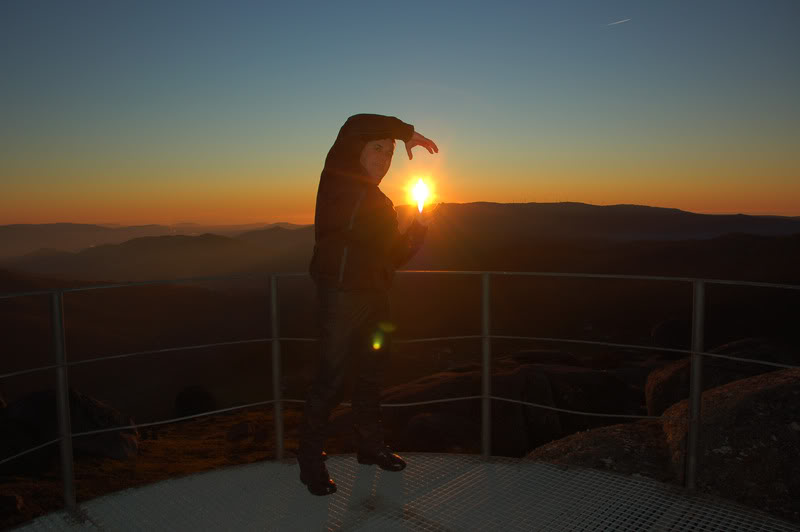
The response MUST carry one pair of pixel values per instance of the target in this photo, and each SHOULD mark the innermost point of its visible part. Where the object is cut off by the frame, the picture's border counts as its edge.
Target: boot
(315, 475)
(384, 458)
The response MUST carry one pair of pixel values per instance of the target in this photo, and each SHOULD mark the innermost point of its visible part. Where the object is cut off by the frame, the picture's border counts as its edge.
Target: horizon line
(408, 205)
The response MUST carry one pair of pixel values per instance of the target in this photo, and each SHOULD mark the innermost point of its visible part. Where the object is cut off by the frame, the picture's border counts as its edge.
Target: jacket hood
(344, 157)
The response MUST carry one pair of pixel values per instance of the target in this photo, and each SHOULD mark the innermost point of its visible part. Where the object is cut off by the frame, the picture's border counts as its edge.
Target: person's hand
(416, 233)
(419, 140)
(427, 215)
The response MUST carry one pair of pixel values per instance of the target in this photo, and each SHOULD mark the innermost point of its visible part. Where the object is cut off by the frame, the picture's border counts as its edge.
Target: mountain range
(21, 239)
(477, 236)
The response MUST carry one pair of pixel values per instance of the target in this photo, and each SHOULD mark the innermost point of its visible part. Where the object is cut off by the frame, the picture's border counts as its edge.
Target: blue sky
(688, 104)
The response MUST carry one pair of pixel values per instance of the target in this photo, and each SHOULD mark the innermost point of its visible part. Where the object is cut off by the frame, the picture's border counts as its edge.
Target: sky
(222, 112)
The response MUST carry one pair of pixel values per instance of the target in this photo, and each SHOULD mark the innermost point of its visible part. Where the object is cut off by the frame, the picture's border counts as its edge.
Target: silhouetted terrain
(567, 238)
(22, 239)
(476, 236)
(464, 237)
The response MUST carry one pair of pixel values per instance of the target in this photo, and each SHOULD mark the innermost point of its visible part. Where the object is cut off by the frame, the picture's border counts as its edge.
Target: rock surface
(637, 448)
(669, 384)
(748, 449)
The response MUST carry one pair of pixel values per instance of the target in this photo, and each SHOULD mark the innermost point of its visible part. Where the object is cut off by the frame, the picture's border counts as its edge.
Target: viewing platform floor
(436, 492)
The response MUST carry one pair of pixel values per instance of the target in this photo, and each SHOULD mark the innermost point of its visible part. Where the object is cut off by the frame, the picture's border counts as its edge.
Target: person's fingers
(408, 150)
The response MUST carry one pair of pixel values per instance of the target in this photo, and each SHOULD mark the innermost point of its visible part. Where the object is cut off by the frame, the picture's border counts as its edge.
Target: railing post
(486, 373)
(62, 400)
(696, 386)
(276, 366)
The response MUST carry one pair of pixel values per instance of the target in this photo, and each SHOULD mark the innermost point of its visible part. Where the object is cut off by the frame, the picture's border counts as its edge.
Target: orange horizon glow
(255, 199)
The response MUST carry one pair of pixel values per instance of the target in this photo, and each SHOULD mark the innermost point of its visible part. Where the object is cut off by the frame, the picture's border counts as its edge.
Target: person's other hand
(419, 140)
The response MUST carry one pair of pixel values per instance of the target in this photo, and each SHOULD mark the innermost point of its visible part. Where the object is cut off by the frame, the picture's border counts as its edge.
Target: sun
(420, 191)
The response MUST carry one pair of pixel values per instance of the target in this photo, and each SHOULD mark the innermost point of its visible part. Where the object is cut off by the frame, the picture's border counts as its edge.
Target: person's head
(376, 157)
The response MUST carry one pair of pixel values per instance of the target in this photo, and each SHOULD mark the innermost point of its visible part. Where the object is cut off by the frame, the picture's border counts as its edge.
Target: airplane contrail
(618, 22)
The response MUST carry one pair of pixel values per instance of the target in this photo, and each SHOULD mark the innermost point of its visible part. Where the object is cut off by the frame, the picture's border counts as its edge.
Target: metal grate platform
(436, 492)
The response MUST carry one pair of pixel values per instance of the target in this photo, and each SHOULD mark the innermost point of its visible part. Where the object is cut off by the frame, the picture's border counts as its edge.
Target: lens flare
(377, 340)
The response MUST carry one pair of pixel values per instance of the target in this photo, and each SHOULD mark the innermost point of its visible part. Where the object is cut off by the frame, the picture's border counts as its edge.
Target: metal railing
(696, 353)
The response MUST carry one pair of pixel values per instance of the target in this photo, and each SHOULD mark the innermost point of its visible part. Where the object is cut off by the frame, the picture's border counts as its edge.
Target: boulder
(669, 384)
(635, 448)
(32, 420)
(194, 400)
(749, 441)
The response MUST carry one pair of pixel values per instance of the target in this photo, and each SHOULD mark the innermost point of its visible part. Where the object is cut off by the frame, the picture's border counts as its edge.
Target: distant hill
(612, 222)
(174, 256)
(20, 239)
(159, 257)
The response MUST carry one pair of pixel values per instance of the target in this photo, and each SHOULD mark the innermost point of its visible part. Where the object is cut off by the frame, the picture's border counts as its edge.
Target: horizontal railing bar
(165, 281)
(416, 340)
(418, 403)
(751, 283)
(23, 453)
(465, 398)
(432, 401)
(409, 341)
(741, 359)
(166, 350)
(440, 272)
(164, 422)
(581, 412)
(593, 342)
(560, 274)
(23, 294)
(613, 276)
(437, 339)
(24, 371)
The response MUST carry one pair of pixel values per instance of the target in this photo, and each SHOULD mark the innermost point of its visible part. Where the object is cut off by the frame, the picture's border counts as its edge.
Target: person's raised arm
(377, 126)
(390, 127)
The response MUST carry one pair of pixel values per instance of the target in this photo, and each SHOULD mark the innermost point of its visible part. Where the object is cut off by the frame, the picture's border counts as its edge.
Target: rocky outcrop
(635, 448)
(748, 447)
(669, 384)
(32, 420)
(749, 441)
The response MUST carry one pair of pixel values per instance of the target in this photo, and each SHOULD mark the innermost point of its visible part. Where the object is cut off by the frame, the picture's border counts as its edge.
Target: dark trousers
(354, 337)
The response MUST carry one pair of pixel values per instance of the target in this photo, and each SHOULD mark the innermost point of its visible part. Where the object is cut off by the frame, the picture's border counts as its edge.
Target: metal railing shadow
(696, 353)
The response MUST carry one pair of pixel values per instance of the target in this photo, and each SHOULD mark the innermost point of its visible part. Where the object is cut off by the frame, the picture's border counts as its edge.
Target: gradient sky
(222, 112)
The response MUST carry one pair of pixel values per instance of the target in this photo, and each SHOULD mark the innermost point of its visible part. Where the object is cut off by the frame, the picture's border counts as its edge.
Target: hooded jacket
(357, 241)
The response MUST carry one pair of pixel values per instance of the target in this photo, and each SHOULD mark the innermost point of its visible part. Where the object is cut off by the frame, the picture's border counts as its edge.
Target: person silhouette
(358, 247)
